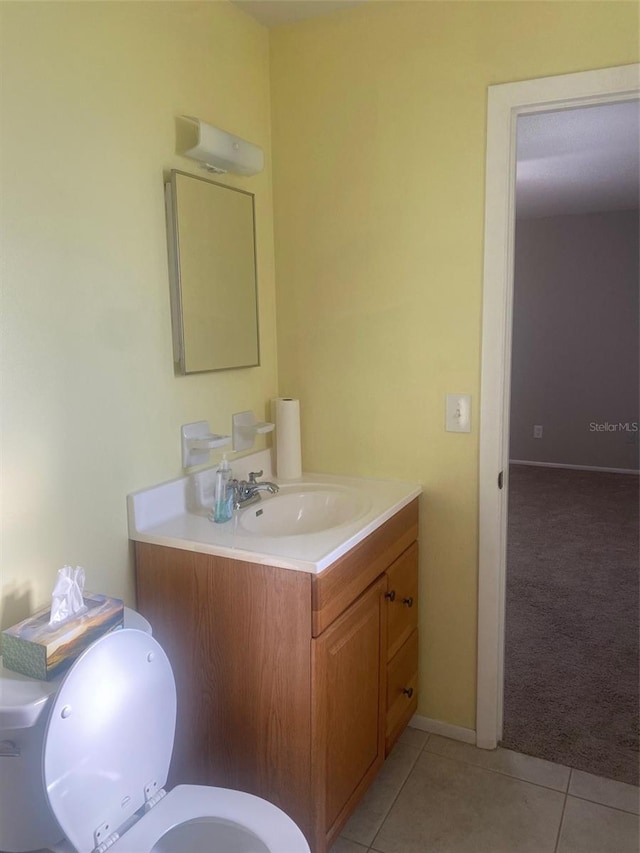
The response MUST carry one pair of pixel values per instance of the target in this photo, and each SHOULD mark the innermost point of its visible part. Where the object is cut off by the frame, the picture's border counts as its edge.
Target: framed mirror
(212, 273)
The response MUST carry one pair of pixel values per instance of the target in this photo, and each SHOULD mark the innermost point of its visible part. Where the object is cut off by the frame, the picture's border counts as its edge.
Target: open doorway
(571, 621)
(506, 102)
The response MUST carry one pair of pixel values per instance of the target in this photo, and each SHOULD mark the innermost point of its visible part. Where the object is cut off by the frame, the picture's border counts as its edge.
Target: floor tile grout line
(565, 793)
(608, 779)
(502, 773)
(599, 802)
(514, 752)
(395, 799)
(419, 748)
(415, 761)
(556, 764)
(604, 805)
(565, 790)
(564, 807)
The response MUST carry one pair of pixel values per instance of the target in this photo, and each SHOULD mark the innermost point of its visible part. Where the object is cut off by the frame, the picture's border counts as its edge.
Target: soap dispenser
(223, 494)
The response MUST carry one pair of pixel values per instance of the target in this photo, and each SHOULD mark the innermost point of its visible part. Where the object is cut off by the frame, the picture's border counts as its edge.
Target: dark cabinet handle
(390, 596)
(408, 601)
(408, 692)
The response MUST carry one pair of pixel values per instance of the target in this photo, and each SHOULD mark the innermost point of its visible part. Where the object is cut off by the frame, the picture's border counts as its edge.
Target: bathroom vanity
(294, 677)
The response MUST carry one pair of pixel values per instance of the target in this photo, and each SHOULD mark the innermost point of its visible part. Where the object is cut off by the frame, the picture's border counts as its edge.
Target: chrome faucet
(246, 492)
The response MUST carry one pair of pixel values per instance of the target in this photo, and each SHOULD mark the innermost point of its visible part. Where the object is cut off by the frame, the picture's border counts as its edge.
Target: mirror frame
(175, 279)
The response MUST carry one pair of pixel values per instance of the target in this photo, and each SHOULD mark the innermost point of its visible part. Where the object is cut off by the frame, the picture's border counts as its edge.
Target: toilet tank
(26, 822)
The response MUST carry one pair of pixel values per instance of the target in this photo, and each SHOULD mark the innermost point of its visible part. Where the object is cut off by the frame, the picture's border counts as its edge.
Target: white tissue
(66, 598)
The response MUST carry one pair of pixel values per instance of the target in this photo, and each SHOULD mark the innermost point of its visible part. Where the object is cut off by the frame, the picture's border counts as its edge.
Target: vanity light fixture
(217, 150)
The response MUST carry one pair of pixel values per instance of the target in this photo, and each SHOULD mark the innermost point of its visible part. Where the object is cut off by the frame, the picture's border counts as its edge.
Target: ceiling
(579, 160)
(271, 13)
(570, 161)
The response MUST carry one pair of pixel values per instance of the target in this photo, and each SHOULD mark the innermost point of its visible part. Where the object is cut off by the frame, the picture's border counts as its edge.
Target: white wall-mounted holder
(245, 429)
(217, 150)
(198, 441)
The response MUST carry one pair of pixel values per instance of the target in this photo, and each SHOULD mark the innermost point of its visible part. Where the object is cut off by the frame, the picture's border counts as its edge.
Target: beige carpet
(572, 627)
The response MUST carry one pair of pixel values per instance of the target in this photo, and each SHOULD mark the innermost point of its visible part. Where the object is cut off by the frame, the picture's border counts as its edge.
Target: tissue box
(34, 648)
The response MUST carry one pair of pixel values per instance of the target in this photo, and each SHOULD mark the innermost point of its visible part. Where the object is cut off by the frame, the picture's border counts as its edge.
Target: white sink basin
(298, 510)
(306, 526)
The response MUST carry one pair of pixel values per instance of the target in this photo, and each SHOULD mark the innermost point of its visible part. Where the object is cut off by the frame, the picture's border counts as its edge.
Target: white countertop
(175, 513)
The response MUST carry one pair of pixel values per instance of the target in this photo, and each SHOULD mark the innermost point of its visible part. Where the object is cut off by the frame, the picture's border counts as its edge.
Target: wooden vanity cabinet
(291, 686)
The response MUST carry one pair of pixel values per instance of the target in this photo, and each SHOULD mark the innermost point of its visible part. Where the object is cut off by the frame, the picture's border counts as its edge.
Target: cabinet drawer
(333, 590)
(402, 689)
(402, 600)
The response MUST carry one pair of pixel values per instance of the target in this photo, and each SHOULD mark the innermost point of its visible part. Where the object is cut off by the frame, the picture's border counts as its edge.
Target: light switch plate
(458, 413)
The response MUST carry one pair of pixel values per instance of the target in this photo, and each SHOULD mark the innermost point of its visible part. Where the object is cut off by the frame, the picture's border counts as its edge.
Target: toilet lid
(110, 736)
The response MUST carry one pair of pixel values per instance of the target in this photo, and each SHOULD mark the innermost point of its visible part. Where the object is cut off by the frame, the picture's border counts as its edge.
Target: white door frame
(505, 103)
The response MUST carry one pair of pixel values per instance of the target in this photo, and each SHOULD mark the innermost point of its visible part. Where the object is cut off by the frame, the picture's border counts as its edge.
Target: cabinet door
(349, 692)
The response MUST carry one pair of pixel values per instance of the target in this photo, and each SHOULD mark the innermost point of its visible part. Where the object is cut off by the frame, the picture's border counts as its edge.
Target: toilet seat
(107, 749)
(261, 826)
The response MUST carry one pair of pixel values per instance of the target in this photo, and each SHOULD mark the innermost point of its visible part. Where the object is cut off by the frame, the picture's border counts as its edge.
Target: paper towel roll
(286, 415)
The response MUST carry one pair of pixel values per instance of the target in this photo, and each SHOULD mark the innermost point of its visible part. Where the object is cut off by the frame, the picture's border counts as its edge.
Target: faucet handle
(253, 475)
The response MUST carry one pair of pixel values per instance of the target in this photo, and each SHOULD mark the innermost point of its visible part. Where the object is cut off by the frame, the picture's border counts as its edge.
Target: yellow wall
(379, 145)
(379, 136)
(91, 406)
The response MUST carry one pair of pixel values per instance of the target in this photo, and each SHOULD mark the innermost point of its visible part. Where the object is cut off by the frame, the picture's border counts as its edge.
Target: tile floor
(435, 795)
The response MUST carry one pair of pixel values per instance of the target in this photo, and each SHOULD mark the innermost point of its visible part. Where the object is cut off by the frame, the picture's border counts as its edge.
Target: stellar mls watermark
(628, 426)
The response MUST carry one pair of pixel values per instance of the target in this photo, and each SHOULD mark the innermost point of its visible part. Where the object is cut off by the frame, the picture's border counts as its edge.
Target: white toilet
(102, 752)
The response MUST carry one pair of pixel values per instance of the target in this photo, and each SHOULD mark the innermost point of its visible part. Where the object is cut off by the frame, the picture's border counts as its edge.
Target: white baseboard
(437, 727)
(575, 467)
